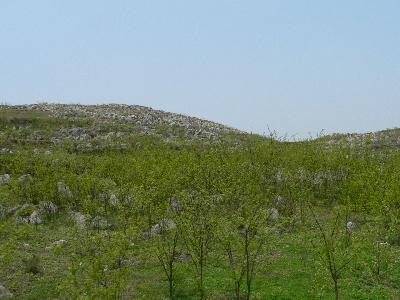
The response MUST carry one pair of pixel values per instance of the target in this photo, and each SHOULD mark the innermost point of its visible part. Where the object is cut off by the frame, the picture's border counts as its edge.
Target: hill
(388, 138)
(126, 202)
(136, 119)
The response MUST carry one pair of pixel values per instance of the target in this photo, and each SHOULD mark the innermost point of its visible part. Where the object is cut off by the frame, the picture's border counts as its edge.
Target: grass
(289, 272)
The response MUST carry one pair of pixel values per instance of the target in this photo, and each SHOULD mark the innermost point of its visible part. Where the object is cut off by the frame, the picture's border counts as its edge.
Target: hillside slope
(124, 202)
(143, 120)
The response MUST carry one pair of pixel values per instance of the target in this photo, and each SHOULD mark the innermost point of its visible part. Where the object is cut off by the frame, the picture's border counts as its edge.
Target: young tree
(332, 245)
(165, 238)
(166, 244)
(242, 235)
(196, 225)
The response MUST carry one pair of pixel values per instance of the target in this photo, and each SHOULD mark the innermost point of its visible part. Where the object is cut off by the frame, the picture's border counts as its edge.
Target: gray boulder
(99, 222)
(24, 212)
(58, 243)
(21, 220)
(273, 214)
(167, 224)
(114, 201)
(125, 262)
(350, 226)
(155, 229)
(278, 200)
(35, 218)
(164, 225)
(4, 293)
(49, 208)
(79, 219)
(3, 211)
(5, 179)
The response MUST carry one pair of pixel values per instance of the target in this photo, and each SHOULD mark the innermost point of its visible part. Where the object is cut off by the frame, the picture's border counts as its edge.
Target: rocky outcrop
(144, 120)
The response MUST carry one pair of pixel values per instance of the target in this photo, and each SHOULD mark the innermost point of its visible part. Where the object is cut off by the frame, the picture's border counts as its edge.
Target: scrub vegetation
(96, 204)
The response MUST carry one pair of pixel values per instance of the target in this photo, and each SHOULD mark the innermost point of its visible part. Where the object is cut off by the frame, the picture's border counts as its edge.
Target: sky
(294, 67)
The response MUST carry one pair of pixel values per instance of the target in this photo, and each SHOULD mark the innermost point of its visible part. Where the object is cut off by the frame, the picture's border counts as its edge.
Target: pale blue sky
(293, 66)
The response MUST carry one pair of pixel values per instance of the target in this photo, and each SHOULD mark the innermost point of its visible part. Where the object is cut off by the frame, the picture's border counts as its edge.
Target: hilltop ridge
(146, 120)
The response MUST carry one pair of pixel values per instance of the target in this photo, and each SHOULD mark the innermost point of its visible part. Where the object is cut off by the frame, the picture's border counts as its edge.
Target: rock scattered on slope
(350, 226)
(99, 222)
(125, 262)
(144, 120)
(59, 243)
(385, 138)
(164, 225)
(26, 214)
(273, 214)
(5, 179)
(35, 218)
(49, 208)
(2, 211)
(114, 201)
(4, 293)
(79, 219)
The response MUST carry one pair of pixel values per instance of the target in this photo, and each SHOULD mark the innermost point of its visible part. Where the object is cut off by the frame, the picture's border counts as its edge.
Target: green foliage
(219, 218)
(32, 264)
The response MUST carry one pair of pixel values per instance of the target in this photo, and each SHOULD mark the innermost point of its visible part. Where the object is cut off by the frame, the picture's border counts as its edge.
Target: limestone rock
(79, 219)
(59, 243)
(49, 208)
(273, 214)
(5, 179)
(4, 293)
(164, 225)
(35, 218)
(350, 226)
(99, 222)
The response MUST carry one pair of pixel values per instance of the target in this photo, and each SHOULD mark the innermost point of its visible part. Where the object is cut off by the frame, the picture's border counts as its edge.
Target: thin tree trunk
(171, 280)
(336, 290)
(237, 290)
(201, 270)
(248, 279)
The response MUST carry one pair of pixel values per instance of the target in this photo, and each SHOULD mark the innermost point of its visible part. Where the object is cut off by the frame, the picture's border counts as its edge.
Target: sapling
(196, 225)
(166, 243)
(164, 237)
(332, 248)
(242, 235)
